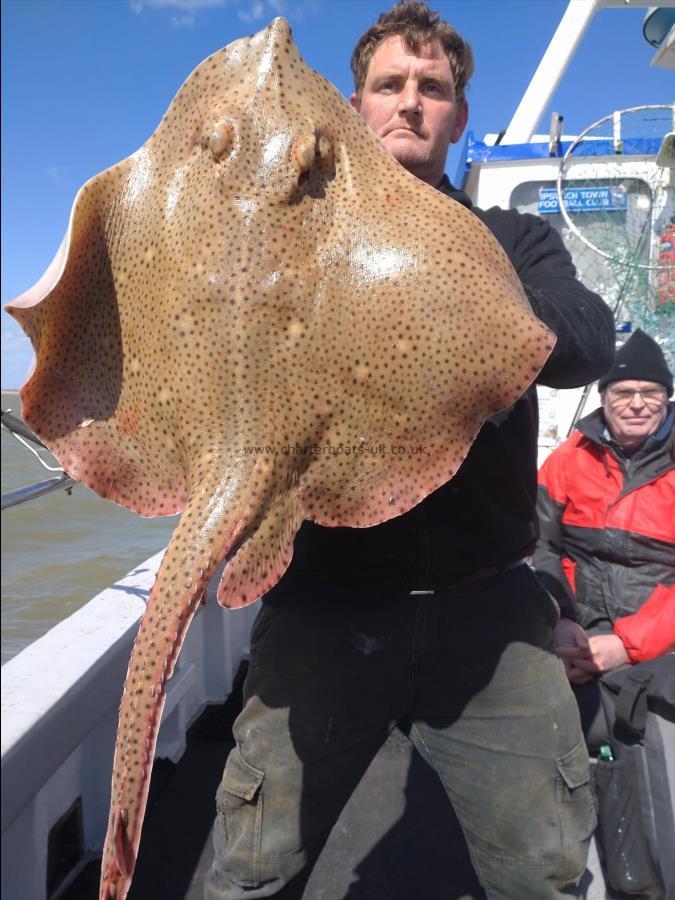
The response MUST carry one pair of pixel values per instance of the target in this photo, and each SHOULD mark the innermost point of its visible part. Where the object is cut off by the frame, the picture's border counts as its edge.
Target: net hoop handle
(559, 190)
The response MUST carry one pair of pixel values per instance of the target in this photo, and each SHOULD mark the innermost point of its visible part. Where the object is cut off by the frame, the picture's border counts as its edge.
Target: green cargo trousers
(468, 673)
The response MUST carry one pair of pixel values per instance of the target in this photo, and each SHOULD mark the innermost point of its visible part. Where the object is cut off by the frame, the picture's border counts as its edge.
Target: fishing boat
(609, 187)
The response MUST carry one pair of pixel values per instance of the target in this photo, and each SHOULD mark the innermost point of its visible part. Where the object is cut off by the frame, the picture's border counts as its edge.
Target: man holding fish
(432, 622)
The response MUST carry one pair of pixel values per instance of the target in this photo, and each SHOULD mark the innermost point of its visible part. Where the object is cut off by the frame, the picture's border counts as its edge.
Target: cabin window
(615, 215)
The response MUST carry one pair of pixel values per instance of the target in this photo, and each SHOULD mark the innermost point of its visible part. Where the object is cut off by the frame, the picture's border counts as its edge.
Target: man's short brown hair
(418, 25)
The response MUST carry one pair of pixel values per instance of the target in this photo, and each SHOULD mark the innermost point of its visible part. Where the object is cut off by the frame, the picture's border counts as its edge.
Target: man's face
(633, 410)
(409, 102)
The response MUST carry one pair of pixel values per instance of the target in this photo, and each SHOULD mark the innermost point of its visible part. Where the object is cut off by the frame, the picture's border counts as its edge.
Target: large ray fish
(261, 318)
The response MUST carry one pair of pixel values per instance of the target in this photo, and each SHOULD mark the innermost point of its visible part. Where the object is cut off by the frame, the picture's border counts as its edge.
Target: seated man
(606, 505)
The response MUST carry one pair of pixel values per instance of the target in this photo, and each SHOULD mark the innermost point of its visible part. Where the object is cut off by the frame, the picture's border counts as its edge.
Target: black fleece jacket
(485, 516)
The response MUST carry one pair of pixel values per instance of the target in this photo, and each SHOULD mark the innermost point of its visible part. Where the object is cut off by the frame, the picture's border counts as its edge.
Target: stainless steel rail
(39, 489)
(16, 426)
(60, 482)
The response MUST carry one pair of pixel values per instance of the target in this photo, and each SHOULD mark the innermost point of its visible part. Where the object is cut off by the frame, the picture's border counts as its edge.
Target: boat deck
(397, 838)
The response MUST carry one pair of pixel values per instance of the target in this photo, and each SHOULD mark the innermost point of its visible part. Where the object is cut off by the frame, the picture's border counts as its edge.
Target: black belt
(476, 575)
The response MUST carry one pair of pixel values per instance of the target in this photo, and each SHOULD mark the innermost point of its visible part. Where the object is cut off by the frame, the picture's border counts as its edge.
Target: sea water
(60, 550)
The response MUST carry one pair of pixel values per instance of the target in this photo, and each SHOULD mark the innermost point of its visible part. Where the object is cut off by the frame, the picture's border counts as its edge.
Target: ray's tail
(200, 542)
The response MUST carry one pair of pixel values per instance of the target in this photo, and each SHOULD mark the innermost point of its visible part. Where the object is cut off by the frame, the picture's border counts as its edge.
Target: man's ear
(460, 121)
(355, 101)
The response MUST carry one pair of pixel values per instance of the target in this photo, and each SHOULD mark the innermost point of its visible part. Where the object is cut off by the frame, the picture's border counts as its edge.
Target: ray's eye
(311, 149)
(305, 151)
(221, 140)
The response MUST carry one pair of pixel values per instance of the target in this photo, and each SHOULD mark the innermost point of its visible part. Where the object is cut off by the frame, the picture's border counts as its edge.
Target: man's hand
(572, 646)
(607, 652)
(584, 657)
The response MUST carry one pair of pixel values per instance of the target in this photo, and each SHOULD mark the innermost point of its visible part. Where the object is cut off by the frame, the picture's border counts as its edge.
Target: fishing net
(615, 197)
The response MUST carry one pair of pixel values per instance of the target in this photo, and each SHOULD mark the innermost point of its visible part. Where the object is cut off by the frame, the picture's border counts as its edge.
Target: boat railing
(59, 482)
(60, 700)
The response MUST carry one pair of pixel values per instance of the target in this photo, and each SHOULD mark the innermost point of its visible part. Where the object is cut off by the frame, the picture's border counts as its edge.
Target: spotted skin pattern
(260, 318)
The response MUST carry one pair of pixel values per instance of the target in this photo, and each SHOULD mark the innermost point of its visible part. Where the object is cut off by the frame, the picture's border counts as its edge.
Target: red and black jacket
(608, 535)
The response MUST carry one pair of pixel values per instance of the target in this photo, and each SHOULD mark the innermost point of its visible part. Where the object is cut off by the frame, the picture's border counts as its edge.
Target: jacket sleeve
(650, 632)
(580, 319)
(548, 554)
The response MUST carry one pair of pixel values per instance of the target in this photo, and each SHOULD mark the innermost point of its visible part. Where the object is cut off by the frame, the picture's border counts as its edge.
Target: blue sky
(85, 82)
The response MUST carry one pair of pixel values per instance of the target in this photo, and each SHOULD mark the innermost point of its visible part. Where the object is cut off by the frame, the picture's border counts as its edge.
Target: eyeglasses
(651, 396)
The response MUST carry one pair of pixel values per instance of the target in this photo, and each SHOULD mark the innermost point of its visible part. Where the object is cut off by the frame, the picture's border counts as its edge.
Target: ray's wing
(89, 396)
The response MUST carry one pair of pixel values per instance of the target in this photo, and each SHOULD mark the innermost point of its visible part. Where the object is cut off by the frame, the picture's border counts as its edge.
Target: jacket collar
(594, 428)
(446, 187)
